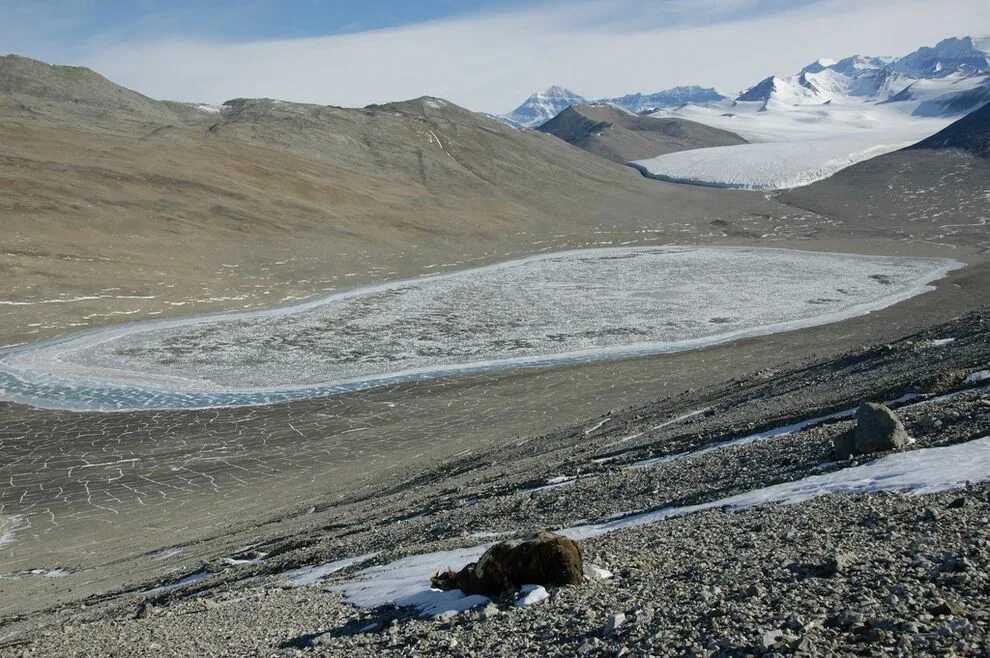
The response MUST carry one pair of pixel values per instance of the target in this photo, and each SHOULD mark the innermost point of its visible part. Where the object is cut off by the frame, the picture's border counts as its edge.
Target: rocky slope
(616, 134)
(971, 135)
(840, 574)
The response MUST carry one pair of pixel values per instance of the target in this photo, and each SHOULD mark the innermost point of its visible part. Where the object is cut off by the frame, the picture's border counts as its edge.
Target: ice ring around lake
(541, 310)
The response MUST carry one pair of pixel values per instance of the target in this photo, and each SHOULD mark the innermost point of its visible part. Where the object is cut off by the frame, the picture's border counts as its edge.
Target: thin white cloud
(491, 62)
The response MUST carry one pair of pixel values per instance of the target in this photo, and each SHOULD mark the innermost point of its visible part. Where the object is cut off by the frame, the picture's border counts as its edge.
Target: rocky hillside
(971, 134)
(617, 134)
(262, 199)
(724, 520)
(74, 95)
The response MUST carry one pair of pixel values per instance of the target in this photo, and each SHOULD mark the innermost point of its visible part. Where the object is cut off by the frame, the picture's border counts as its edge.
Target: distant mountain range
(948, 79)
(543, 106)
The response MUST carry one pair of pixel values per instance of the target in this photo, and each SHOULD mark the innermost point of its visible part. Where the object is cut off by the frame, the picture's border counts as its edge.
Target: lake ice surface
(540, 310)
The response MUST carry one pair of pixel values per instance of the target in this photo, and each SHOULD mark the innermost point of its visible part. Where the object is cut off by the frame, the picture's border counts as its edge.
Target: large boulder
(878, 429)
(542, 559)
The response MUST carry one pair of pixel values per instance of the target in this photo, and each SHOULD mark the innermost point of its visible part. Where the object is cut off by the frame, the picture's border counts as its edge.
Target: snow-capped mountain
(947, 79)
(806, 126)
(963, 56)
(543, 106)
(667, 98)
(830, 115)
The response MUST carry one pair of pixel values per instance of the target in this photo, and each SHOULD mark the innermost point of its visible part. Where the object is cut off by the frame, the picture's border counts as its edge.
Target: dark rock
(844, 445)
(878, 429)
(542, 559)
(947, 608)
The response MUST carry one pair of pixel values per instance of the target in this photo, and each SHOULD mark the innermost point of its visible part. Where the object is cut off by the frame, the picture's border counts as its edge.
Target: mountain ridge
(962, 60)
(540, 107)
(617, 134)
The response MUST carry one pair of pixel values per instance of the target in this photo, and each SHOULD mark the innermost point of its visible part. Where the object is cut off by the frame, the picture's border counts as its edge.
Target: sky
(487, 55)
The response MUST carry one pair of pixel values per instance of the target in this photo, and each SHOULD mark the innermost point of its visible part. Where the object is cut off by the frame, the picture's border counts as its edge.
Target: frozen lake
(541, 310)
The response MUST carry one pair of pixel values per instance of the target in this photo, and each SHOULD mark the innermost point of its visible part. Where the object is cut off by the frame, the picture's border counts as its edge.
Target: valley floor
(909, 572)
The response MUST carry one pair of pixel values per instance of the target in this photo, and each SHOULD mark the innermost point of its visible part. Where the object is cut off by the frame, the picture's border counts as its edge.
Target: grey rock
(878, 429)
(772, 639)
(957, 503)
(836, 564)
(947, 608)
(614, 622)
(844, 445)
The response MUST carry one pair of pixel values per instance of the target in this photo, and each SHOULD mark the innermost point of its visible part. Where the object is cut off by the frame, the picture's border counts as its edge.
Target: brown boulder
(542, 559)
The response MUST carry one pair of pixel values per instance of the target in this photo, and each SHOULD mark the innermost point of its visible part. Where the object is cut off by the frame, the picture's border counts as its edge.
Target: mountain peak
(818, 65)
(543, 106)
(955, 55)
(557, 91)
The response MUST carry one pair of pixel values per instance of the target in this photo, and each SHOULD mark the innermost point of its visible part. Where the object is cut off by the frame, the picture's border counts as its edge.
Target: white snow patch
(309, 575)
(977, 377)
(185, 580)
(406, 582)
(591, 572)
(917, 472)
(530, 594)
(8, 526)
(168, 553)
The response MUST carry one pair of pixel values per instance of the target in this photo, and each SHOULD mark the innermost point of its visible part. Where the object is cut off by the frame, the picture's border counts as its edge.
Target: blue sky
(234, 20)
(484, 54)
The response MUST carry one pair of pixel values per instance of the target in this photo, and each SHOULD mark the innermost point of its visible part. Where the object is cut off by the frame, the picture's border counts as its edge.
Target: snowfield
(541, 310)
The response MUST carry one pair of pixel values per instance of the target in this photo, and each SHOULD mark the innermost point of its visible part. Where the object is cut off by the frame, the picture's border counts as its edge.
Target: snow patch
(8, 527)
(309, 575)
(977, 377)
(531, 594)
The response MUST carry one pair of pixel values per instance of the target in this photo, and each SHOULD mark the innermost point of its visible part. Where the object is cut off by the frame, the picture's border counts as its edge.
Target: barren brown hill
(970, 134)
(939, 187)
(621, 136)
(117, 207)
